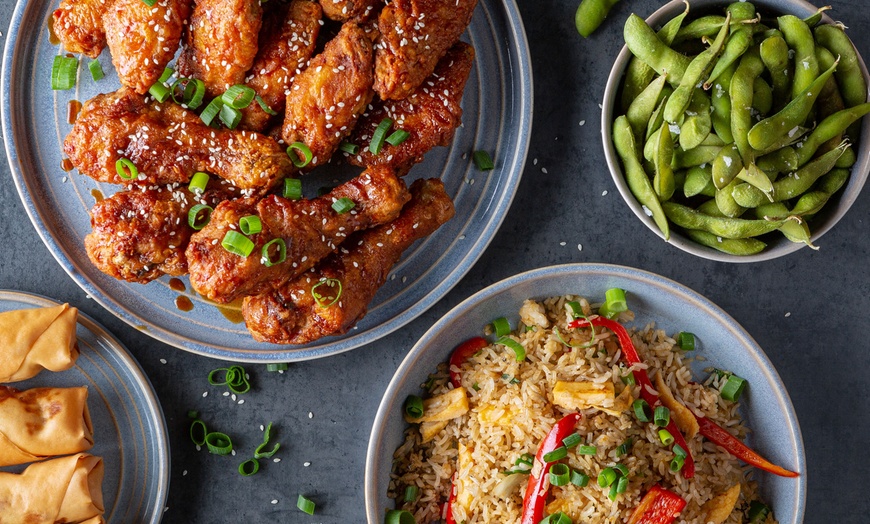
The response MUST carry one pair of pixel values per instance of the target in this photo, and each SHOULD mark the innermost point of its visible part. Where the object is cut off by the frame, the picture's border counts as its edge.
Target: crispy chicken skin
(431, 114)
(78, 25)
(143, 39)
(287, 42)
(311, 229)
(221, 42)
(290, 315)
(326, 99)
(357, 10)
(168, 144)
(140, 234)
(414, 35)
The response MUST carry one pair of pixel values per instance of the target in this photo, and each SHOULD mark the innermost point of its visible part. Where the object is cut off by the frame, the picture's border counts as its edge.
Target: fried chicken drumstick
(310, 229)
(293, 315)
(78, 25)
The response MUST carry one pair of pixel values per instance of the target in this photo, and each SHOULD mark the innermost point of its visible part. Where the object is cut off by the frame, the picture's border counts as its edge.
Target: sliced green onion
(237, 243)
(501, 326)
(213, 377)
(264, 106)
(149, 3)
(198, 216)
(661, 416)
(280, 249)
(482, 160)
(198, 432)
(230, 116)
(414, 406)
(349, 148)
(560, 474)
(525, 458)
(343, 205)
(614, 490)
(126, 169)
(241, 389)
(305, 504)
(379, 136)
(396, 516)
(326, 301)
(621, 485)
(587, 450)
(629, 379)
(411, 493)
(641, 410)
(238, 96)
(579, 479)
(299, 154)
(267, 433)
(686, 341)
(166, 74)
(63, 72)
(622, 469)
(576, 308)
(193, 414)
(292, 188)
(397, 137)
(557, 518)
(677, 464)
(518, 349)
(96, 70)
(260, 453)
(679, 451)
(666, 437)
(557, 454)
(159, 91)
(191, 91)
(249, 467)
(219, 443)
(198, 182)
(606, 477)
(212, 110)
(510, 379)
(281, 366)
(624, 448)
(758, 512)
(250, 224)
(614, 303)
(733, 388)
(572, 440)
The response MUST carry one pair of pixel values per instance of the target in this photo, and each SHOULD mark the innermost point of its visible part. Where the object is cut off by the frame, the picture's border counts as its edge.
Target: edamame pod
(697, 124)
(795, 230)
(721, 103)
(699, 181)
(774, 54)
(814, 19)
(811, 203)
(732, 246)
(847, 159)
(663, 183)
(724, 227)
(590, 14)
(737, 44)
(702, 154)
(783, 160)
(641, 109)
(852, 84)
(726, 203)
(762, 96)
(742, 90)
(644, 44)
(726, 166)
(831, 127)
(799, 37)
(656, 119)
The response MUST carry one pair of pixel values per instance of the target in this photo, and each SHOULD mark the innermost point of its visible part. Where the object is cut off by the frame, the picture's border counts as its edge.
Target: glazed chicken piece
(356, 10)
(220, 43)
(144, 39)
(292, 315)
(415, 34)
(78, 25)
(168, 144)
(310, 229)
(140, 234)
(287, 42)
(326, 99)
(431, 114)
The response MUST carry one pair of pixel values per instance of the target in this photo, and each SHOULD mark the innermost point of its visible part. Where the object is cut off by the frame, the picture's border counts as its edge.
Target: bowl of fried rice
(586, 393)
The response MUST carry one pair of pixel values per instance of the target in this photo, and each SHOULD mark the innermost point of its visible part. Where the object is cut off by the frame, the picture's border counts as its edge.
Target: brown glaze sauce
(98, 195)
(232, 311)
(66, 164)
(176, 284)
(72, 111)
(52, 36)
(183, 303)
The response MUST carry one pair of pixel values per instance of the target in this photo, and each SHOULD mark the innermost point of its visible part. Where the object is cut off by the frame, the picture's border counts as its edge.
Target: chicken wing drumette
(310, 306)
(414, 35)
(78, 24)
(287, 42)
(431, 114)
(326, 99)
(357, 10)
(310, 230)
(168, 144)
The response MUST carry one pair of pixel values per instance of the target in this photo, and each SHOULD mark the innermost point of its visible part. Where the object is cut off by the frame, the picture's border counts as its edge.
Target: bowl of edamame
(735, 131)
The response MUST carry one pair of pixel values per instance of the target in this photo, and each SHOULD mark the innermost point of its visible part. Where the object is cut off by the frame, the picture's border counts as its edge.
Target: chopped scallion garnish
(587, 450)
(326, 300)
(292, 188)
(733, 388)
(250, 224)
(641, 410)
(219, 443)
(614, 303)
(579, 479)
(396, 516)
(237, 243)
(198, 432)
(414, 406)
(379, 136)
(686, 341)
(281, 366)
(629, 379)
(557, 454)
(63, 72)
(758, 512)
(230, 116)
(557, 518)
(264, 106)
(249, 467)
(193, 414)
(126, 169)
(661, 416)
(305, 505)
(96, 70)
(212, 110)
(299, 154)
(606, 477)
(238, 96)
(198, 216)
(482, 160)
(666, 437)
(349, 148)
(572, 440)
(501, 326)
(560, 474)
(677, 463)
(343, 205)
(198, 182)
(260, 453)
(576, 308)
(397, 137)
(191, 91)
(411, 493)
(624, 448)
(274, 252)
(518, 348)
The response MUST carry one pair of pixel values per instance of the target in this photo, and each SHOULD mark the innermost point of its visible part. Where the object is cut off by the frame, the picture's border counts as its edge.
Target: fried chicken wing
(78, 25)
(287, 42)
(357, 10)
(221, 42)
(310, 229)
(168, 144)
(140, 234)
(144, 39)
(326, 99)
(431, 114)
(415, 34)
(292, 315)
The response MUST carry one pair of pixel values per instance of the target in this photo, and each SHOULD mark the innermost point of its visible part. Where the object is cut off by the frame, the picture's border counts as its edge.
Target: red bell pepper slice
(629, 353)
(733, 445)
(658, 506)
(448, 510)
(462, 353)
(536, 491)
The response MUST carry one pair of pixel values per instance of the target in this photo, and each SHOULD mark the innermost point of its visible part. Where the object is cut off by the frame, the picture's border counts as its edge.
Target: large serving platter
(497, 117)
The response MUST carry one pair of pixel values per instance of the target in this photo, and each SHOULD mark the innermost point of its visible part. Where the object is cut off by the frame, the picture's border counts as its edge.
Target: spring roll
(35, 339)
(43, 422)
(66, 489)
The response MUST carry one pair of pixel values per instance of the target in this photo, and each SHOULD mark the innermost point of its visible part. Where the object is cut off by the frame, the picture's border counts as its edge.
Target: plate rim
(522, 79)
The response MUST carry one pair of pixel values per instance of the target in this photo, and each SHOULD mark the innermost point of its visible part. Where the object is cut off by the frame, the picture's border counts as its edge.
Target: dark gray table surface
(808, 311)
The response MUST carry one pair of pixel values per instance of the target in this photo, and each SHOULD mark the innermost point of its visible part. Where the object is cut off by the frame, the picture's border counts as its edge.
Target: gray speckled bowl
(777, 245)
(766, 407)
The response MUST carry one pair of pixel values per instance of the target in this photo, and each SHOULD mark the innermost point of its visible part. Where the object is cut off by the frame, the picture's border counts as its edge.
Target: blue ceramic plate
(129, 428)
(766, 406)
(497, 117)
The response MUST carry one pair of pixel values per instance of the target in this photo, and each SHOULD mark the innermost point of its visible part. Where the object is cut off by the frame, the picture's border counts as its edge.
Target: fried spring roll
(35, 339)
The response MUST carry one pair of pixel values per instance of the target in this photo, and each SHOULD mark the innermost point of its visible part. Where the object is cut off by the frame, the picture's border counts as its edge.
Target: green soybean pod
(741, 91)
(783, 160)
(726, 166)
(656, 119)
(709, 207)
(649, 147)
(699, 181)
(635, 176)
(641, 109)
(725, 201)
(737, 44)
(590, 14)
(697, 124)
(731, 246)
(774, 54)
(663, 182)
(700, 27)
(721, 103)
(758, 179)
(811, 202)
(643, 43)
(725, 227)
(700, 155)
(814, 19)
(792, 137)
(847, 159)
(762, 96)
(851, 80)
(799, 37)
(831, 127)
(794, 229)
